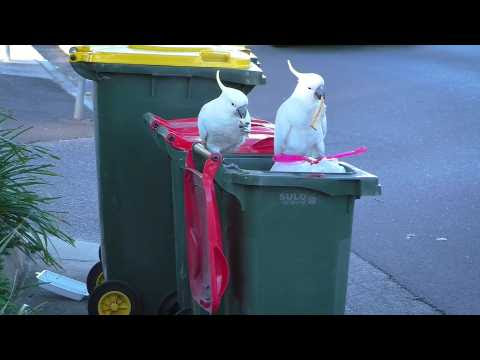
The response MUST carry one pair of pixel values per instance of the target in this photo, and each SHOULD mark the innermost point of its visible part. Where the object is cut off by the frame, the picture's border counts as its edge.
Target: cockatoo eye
(309, 88)
(233, 104)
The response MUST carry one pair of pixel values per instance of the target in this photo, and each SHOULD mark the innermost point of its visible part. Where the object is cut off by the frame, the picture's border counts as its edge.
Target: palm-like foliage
(10, 291)
(23, 215)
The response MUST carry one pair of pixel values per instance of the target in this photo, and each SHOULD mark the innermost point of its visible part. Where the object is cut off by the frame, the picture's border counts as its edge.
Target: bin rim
(100, 71)
(351, 171)
(355, 182)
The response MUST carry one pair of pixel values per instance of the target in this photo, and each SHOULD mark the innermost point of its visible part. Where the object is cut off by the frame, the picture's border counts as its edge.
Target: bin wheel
(114, 298)
(95, 277)
(169, 305)
(184, 312)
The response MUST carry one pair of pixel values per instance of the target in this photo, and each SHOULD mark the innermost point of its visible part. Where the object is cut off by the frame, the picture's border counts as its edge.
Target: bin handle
(201, 150)
(215, 56)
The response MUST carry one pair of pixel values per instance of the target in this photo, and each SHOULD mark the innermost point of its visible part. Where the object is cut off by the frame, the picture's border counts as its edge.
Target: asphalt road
(417, 110)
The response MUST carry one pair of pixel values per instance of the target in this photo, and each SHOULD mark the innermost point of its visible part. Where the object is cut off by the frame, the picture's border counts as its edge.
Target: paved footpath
(370, 290)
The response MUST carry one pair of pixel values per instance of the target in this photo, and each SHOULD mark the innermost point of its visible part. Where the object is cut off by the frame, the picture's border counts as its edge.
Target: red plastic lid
(183, 133)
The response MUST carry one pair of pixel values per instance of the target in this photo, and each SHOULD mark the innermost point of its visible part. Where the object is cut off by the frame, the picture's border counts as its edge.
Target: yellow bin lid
(221, 56)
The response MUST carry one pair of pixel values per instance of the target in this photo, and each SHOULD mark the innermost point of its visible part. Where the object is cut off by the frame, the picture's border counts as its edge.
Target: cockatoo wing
(323, 125)
(319, 147)
(202, 130)
(282, 129)
(207, 113)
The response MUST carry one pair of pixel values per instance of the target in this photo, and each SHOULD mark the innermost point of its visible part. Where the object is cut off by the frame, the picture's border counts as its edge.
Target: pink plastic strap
(293, 158)
(355, 152)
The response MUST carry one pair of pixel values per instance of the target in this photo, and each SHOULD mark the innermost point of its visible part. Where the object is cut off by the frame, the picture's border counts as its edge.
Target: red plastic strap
(207, 265)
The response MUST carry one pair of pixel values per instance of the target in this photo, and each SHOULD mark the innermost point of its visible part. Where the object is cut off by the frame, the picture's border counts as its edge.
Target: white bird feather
(301, 125)
(224, 122)
(296, 132)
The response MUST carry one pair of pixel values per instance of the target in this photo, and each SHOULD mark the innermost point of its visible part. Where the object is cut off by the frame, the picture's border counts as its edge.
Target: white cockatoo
(224, 122)
(301, 125)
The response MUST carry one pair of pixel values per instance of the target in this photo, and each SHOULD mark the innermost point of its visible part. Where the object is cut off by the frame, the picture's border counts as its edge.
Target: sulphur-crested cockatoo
(301, 125)
(224, 122)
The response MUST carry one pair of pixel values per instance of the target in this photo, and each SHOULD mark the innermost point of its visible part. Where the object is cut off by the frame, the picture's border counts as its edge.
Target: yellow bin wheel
(114, 298)
(95, 277)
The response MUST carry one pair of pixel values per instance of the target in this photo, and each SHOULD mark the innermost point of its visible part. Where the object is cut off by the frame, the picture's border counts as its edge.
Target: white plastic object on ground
(62, 285)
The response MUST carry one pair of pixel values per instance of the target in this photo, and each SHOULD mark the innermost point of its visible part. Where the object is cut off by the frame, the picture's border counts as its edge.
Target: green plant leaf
(23, 169)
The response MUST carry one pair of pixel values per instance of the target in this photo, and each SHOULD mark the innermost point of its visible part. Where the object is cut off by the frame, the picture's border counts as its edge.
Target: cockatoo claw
(216, 156)
(231, 166)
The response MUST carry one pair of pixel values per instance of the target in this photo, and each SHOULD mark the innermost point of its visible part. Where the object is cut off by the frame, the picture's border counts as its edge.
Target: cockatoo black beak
(319, 93)
(242, 111)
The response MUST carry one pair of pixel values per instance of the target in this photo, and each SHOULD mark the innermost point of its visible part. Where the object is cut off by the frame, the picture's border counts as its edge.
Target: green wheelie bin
(169, 136)
(287, 236)
(137, 273)
(284, 238)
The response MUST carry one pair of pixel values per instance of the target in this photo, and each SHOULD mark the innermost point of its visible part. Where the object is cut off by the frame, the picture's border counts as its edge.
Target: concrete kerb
(83, 251)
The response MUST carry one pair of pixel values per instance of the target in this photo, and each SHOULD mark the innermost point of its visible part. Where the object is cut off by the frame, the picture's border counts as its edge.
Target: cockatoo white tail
(301, 121)
(224, 122)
